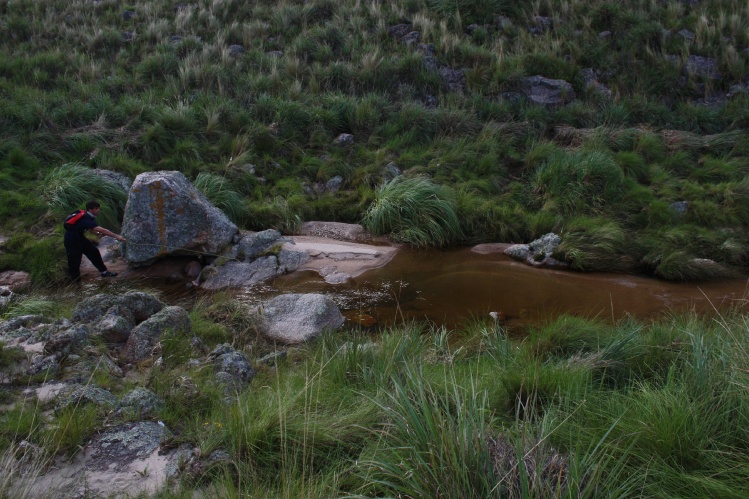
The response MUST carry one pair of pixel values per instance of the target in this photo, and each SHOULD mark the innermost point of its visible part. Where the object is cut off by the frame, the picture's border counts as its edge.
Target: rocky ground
(133, 453)
(336, 251)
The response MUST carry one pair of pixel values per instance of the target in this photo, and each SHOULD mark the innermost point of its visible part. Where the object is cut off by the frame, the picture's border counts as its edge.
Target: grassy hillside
(644, 171)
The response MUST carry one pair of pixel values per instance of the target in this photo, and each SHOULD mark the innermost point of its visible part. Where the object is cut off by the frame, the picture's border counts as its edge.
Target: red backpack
(73, 218)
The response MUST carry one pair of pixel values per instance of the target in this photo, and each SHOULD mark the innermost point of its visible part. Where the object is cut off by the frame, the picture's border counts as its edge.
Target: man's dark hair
(92, 204)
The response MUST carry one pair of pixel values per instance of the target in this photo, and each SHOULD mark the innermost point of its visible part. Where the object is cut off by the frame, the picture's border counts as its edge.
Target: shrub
(414, 211)
(276, 213)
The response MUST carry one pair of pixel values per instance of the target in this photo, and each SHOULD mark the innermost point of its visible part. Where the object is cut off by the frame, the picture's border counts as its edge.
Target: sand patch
(338, 261)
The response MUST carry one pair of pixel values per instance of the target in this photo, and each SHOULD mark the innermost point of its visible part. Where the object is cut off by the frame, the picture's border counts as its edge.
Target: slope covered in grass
(654, 142)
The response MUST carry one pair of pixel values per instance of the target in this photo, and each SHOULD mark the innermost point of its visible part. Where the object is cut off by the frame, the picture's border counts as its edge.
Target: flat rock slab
(337, 261)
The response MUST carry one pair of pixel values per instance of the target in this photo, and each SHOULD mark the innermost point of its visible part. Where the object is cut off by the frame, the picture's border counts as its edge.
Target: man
(77, 245)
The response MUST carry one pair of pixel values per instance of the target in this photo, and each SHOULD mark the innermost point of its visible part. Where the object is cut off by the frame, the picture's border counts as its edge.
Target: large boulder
(546, 91)
(166, 215)
(144, 336)
(296, 318)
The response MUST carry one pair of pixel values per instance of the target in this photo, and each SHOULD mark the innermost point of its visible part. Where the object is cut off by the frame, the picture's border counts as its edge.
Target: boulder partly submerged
(538, 253)
(166, 215)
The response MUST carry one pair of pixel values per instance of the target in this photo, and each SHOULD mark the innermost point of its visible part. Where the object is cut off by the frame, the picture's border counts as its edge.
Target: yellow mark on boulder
(157, 204)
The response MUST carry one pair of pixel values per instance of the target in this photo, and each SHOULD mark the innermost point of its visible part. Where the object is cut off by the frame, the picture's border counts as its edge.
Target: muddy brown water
(448, 287)
(452, 286)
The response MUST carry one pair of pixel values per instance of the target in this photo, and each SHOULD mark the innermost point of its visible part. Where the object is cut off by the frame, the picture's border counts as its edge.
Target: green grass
(218, 191)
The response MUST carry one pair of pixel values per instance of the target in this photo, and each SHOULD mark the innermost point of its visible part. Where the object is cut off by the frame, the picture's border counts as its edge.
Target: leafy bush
(591, 244)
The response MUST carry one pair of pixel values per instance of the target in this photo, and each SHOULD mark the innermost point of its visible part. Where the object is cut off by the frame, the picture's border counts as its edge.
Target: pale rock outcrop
(255, 258)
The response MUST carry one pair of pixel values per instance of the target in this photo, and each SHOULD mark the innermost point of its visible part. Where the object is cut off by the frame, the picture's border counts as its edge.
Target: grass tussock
(414, 211)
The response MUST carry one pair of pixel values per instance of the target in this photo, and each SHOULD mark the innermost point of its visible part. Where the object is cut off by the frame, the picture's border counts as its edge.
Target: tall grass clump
(414, 211)
(70, 186)
(597, 245)
(217, 190)
(579, 182)
(436, 444)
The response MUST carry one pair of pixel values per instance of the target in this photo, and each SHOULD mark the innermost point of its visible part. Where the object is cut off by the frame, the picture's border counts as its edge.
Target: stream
(449, 287)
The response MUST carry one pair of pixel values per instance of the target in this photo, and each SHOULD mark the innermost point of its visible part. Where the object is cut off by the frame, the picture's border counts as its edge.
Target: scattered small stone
(412, 38)
(77, 395)
(703, 66)
(546, 91)
(399, 31)
(236, 50)
(680, 207)
(427, 49)
(604, 35)
(428, 101)
(140, 402)
(391, 171)
(453, 79)
(192, 269)
(127, 15)
(344, 139)
(334, 184)
(541, 25)
(686, 35)
(275, 54)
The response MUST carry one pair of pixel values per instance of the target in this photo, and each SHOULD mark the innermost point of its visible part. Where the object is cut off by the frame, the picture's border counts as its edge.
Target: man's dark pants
(77, 245)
